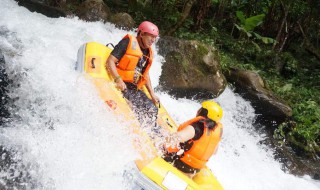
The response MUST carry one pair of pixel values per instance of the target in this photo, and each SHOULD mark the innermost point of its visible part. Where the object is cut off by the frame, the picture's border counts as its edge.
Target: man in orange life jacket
(129, 65)
(196, 140)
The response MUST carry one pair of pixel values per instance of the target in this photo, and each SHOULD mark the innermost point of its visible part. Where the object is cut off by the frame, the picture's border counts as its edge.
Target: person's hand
(121, 85)
(155, 99)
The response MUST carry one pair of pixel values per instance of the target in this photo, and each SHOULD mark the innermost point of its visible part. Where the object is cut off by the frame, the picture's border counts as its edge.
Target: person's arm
(186, 134)
(111, 66)
(154, 97)
(116, 54)
(173, 139)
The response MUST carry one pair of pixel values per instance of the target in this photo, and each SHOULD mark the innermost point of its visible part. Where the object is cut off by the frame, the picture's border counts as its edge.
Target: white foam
(72, 138)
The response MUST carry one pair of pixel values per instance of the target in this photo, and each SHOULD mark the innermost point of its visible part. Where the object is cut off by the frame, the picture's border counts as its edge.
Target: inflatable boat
(151, 172)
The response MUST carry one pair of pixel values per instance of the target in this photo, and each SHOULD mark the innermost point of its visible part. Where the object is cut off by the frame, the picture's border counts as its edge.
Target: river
(61, 136)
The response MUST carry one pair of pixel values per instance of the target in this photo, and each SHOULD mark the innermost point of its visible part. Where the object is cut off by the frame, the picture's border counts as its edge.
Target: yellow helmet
(215, 112)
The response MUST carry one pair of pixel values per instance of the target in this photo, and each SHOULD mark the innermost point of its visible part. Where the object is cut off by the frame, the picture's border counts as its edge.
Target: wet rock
(270, 110)
(123, 20)
(93, 10)
(293, 161)
(35, 6)
(191, 69)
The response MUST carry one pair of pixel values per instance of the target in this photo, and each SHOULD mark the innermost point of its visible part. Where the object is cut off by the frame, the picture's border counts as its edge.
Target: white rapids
(67, 137)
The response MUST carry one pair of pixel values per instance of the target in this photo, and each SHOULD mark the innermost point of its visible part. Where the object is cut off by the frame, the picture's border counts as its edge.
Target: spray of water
(64, 137)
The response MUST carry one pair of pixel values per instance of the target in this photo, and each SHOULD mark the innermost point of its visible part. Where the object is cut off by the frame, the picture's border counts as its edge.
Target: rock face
(93, 10)
(268, 107)
(191, 69)
(122, 20)
(39, 7)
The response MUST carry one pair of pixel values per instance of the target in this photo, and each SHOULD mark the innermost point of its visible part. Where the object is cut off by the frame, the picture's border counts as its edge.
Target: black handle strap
(110, 44)
(92, 63)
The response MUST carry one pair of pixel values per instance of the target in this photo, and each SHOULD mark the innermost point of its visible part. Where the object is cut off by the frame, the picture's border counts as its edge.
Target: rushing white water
(70, 139)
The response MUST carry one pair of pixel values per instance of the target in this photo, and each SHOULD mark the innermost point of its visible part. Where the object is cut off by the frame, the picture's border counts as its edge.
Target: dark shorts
(143, 107)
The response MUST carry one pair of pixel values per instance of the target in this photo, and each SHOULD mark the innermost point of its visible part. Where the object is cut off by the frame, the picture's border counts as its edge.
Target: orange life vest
(127, 64)
(203, 148)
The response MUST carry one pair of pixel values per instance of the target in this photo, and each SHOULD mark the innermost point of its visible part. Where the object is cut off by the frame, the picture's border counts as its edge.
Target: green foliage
(307, 115)
(247, 25)
(308, 108)
(306, 112)
(281, 132)
(302, 97)
(265, 40)
(290, 68)
(228, 60)
(299, 8)
(286, 88)
(195, 36)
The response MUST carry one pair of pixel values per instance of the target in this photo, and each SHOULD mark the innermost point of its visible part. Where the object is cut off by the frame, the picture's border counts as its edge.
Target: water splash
(62, 136)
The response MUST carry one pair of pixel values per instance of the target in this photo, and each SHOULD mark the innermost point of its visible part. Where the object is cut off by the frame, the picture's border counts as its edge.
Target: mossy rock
(191, 69)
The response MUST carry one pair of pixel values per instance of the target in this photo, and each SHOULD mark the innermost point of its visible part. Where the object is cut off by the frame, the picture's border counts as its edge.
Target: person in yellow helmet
(129, 64)
(196, 140)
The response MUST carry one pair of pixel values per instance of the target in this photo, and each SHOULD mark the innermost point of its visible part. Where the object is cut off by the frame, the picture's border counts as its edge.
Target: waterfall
(61, 135)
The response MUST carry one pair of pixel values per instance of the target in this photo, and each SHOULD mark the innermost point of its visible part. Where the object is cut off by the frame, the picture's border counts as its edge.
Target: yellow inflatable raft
(151, 172)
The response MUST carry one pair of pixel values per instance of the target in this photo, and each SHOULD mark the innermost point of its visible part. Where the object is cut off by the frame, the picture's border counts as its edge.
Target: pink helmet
(148, 27)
